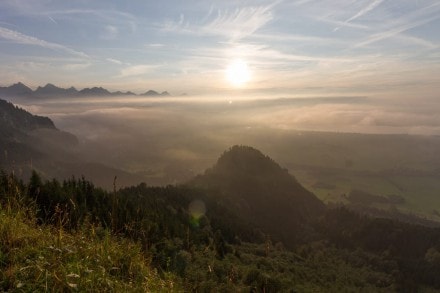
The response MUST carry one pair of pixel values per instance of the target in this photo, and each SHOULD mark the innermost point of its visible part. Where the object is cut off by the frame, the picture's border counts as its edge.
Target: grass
(39, 258)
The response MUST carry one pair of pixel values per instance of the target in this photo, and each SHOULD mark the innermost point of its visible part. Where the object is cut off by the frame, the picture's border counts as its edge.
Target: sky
(375, 48)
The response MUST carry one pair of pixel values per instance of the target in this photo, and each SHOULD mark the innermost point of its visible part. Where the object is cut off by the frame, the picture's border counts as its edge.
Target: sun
(238, 72)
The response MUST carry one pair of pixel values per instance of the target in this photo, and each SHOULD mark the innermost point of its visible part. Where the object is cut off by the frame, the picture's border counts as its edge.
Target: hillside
(263, 193)
(29, 142)
(27, 138)
(43, 257)
(13, 118)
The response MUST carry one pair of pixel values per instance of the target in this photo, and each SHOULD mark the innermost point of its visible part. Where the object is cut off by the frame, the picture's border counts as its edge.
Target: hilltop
(262, 192)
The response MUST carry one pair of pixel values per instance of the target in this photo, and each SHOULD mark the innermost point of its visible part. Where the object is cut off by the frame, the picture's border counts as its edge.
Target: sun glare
(238, 73)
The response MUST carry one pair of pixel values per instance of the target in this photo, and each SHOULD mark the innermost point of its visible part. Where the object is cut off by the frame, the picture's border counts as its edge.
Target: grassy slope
(41, 258)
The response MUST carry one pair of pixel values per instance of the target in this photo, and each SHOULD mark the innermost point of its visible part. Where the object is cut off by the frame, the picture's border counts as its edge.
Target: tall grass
(45, 258)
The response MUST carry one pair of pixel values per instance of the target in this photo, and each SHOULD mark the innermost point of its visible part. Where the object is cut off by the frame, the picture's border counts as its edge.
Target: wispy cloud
(365, 10)
(395, 31)
(114, 61)
(154, 45)
(234, 25)
(179, 26)
(52, 20)
(395, 27)
(136, 70)
(347, 23)
(239, 23)
(302, 2)
(20, 38)
(111, 32)
(407, 39)
(102, 14)
(76, 66)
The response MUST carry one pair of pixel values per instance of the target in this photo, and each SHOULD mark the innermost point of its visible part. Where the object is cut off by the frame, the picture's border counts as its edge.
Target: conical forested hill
(262, 192)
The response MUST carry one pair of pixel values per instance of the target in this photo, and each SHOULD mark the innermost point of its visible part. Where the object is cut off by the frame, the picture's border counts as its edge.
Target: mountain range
(49, 90)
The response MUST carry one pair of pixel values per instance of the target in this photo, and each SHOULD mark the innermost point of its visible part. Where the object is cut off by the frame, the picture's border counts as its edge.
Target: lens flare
(197, 210)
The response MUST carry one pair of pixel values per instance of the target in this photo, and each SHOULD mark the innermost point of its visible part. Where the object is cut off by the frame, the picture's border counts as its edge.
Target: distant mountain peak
(47, 87)
(19, 84)
(50, 86)
(153, 93)
(52, 90)
(18, 88)
(95, 91)
(150, 93)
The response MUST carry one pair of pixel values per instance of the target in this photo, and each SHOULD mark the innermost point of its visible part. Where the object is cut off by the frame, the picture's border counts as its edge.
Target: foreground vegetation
(71, 236)
(49, 257)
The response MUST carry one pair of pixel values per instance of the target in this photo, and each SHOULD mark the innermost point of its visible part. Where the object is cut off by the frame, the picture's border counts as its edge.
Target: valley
(148, 146)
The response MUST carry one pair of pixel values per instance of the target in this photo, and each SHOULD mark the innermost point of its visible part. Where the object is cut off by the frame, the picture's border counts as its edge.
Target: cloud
(239, 23)
(407, 22)
(108, 15)
(52, 20)
(20, 38)
(111, 32)
(395, 31)
(365, 10)
(179, 26)
(368, 117)
(137, 70)
(114, 61)
(155, 45)
(407, 39)
(76, 66)
(302, 2)
(234, 25)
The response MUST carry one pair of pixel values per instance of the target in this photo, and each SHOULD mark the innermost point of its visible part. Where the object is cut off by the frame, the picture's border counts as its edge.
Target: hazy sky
(305, 47)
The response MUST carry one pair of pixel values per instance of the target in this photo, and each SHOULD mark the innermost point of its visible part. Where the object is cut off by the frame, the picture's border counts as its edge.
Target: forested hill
(30, 141)
(263, 193)
(13, 119)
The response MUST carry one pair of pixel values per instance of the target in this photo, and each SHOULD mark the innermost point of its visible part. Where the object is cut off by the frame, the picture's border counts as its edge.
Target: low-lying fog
(181, 136)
